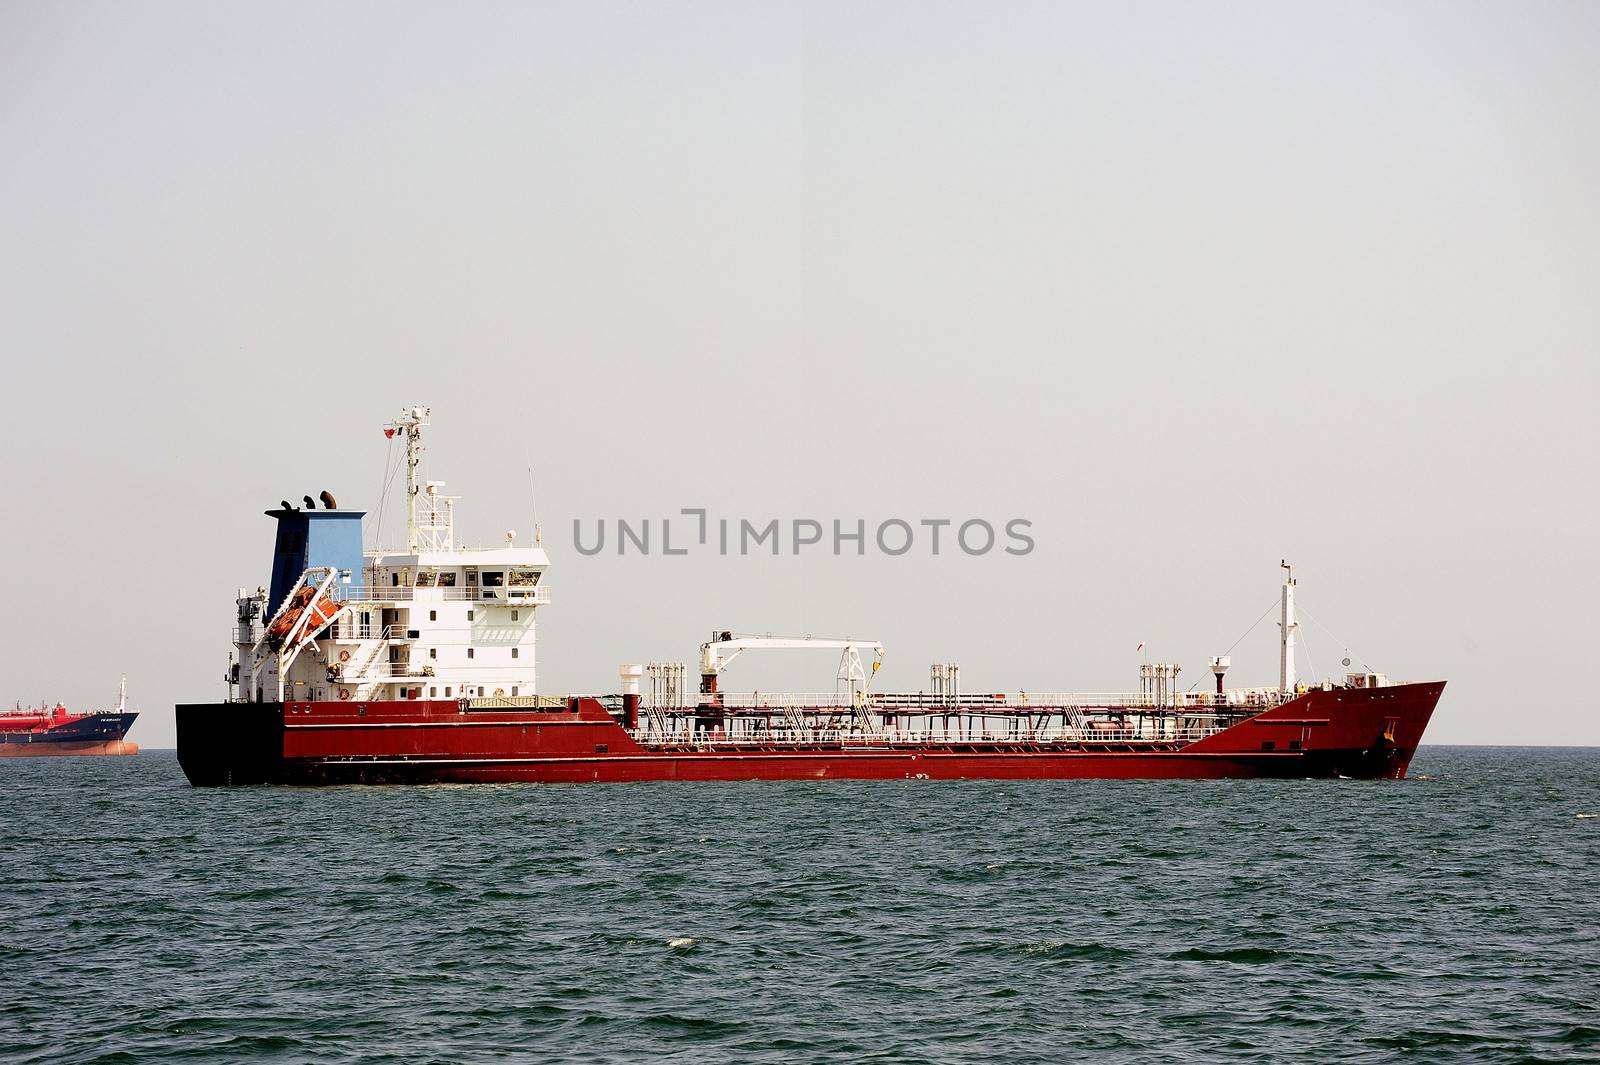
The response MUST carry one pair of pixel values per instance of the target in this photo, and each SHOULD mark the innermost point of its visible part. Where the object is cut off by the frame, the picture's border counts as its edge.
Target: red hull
(50, 750)
(1367, 733)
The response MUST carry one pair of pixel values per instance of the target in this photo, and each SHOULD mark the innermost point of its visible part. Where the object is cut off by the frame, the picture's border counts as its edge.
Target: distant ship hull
(89, 734)
(1368, 733)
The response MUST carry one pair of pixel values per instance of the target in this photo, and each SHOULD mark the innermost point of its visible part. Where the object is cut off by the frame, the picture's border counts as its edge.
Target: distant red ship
(55, 730)
(417, 666)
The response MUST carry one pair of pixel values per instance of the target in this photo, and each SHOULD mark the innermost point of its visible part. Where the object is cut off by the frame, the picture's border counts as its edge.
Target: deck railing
(980, 702)
(681, 734)
(511, 595)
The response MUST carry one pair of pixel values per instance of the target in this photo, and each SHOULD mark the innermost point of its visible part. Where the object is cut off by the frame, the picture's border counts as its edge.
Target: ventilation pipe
(630, 675)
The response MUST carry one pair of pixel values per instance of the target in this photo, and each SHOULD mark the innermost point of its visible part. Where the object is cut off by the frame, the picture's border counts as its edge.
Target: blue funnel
(309, 538)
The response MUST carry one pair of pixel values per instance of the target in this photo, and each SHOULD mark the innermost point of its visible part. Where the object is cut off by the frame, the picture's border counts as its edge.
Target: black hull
(230, 744)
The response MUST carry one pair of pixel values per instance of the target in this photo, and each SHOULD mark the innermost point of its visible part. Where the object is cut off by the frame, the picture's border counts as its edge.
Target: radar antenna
(411, 423)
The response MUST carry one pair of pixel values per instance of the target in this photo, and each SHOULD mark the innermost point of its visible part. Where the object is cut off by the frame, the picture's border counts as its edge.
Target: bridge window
(1269, 745)
(493, 578)
(471, 652)
(515, 651)
(433, 615)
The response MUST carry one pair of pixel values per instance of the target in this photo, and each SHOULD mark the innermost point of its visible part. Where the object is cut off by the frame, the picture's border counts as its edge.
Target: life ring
(344, 693)
(344, 656)
(499, 692)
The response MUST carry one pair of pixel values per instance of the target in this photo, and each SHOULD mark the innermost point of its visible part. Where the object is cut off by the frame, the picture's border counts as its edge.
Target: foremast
(430, 516)
(1286, 626)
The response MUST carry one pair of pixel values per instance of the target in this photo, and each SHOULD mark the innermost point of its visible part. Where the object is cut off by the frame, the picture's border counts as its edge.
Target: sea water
(1451, 917)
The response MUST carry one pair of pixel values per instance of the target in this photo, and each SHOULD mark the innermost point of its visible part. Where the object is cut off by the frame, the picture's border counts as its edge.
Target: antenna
(411, 423)
(533, 501)
(1287, 624)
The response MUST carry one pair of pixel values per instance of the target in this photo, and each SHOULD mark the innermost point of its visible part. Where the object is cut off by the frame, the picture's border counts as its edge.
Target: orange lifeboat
(322, 611)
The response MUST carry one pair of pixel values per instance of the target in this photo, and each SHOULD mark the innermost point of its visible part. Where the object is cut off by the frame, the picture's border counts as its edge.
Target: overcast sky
(1191, 287)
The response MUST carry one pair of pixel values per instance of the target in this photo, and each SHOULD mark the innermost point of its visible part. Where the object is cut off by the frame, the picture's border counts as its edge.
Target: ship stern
(230, 744)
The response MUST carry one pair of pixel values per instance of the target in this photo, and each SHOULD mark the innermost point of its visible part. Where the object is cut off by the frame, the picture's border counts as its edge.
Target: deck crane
(723, 647)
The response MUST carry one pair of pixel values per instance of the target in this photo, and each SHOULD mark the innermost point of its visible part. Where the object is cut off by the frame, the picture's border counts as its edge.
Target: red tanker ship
(55, 730)
(417, 666)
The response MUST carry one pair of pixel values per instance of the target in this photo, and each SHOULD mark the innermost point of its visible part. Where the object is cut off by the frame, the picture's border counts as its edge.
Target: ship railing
(344, 628)
(919, 737)
(520, 702)
(416, 675)
(780, 700)
(1045, 700)
(377, 671)
(349, 627)
(1260, 698)
(1188, 734)
(975, 702)
(511, 595)
(396, 671)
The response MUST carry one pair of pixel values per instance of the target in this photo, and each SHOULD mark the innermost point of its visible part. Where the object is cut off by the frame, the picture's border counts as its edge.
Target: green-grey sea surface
(1451, 917)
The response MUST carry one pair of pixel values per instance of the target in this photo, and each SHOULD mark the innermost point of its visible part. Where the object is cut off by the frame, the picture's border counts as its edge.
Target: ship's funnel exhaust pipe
(630, 675)
(1219, 668)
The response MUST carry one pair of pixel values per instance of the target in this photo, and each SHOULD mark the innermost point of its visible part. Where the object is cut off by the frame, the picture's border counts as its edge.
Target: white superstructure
(434, 621)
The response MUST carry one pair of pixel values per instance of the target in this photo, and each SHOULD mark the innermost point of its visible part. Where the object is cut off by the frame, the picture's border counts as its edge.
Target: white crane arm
(715, 655)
